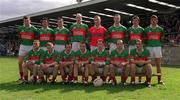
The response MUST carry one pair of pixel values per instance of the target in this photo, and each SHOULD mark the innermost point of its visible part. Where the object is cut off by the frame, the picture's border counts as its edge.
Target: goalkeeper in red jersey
(96, 32)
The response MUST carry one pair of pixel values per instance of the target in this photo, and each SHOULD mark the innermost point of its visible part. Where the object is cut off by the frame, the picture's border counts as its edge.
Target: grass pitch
(10, 90)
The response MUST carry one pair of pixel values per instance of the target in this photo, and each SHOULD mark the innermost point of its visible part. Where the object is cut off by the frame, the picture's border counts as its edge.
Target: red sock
(125, 78)
(132, 79)
(34, 78)
(159, 78)
(122, 78)
(21, 75)
(148, 79)
(75, 78)
(26, 78)
(70, 78)
(85, 78)
(94, 77)
(103, 78)
(113, 78)
(64, 77)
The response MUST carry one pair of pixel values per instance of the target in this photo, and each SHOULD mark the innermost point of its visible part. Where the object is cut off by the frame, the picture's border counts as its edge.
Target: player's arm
(107, 58)
(126, 35)
(112, 57)
(36, 34)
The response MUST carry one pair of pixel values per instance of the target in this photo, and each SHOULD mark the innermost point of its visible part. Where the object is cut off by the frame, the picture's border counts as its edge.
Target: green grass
(9, 90)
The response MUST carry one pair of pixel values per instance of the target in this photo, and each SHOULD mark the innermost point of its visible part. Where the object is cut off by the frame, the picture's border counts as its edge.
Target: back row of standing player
(79, 32)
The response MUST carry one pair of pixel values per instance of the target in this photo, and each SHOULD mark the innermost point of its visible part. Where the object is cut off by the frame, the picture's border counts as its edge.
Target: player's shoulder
(65, 28)
(111, 27)
(125, 51)
(123, 26)
(113, 51)
(41, 50)
(133, 50)
(145, 49)
(102, 27)
(148, 27)
(159, 27)
(94, 51)
(85, 25)
(140, 27)
(33, 27)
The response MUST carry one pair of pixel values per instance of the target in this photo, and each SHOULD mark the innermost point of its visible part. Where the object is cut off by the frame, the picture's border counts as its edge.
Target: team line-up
(49, 51)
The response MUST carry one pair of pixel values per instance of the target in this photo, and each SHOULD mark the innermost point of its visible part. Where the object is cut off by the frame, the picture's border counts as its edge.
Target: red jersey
(97, 33)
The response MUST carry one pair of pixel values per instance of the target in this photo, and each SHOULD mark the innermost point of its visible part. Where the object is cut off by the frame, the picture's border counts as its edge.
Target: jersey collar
(135, 27)
(154, 27)
(84, 52)
(117, 25)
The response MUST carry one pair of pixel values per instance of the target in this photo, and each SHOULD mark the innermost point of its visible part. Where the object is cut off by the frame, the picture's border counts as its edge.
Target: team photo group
(94, 52)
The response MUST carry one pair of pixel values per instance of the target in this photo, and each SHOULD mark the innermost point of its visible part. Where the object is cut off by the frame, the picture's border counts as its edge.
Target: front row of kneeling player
(97, 62)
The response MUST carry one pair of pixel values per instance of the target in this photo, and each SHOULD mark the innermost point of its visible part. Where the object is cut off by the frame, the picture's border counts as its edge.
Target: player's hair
(97, 16)
(60, 18)
(45, 18)
(50, 44)
(79, 14)
(154, 16)
(26, 17)
(36, 41)
(135, 17)
(100, 40)
(117, 15)
(68, 43)
(139, 41)
(82, 42)
(119, 40)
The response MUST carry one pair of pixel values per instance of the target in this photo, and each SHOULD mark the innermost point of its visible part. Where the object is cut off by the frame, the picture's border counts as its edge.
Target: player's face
(119, 45)
(154, 21)
(78, 18)
(97, 21)
(68, 48)
(100, 45)
(36, 45)
(82, 47)
(117, 19)
(49, 47)
(139, 45)
(45, 23)
(26, 22)
(60, 23)
(135, 22)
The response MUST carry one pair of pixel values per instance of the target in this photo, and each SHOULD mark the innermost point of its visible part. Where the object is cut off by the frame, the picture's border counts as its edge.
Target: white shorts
(93, 48)
(44, 48)
(59, 48)
(155, 52)
(23, 50)
(131, 47)
(75, 46)
(112, 47)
